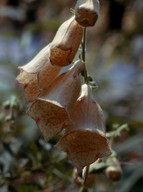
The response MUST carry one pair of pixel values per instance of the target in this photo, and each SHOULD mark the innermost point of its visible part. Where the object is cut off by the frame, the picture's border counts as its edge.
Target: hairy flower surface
(86, 12)
(66, 42)
(51, 111)
(85, 142)
(38, 74)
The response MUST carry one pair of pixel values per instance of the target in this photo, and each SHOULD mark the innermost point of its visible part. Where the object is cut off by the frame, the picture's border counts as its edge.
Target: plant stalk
(83, 44)
(83, 54)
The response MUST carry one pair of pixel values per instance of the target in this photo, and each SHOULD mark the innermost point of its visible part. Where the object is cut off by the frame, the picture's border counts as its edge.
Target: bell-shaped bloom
(38, 74)
(51, 111)
(86, 12)
(85, 142)
(66, 42)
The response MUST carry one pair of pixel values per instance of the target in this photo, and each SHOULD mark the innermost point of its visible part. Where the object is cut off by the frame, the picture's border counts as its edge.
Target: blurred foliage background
(115, 62)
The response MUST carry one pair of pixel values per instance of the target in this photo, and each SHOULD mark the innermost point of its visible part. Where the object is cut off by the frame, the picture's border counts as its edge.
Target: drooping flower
(38, 74)
(86, 12)
(85, 141)
(51, 111)
(66, 42)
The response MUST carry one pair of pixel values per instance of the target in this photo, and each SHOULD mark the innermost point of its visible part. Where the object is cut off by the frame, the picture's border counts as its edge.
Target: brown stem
(83, 54)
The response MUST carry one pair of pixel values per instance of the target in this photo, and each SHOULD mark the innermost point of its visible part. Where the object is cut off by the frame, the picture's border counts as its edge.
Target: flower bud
(85, 142)
(86, 12)
(38, 74)
(51, 111)
(113, 171)
(66, 43)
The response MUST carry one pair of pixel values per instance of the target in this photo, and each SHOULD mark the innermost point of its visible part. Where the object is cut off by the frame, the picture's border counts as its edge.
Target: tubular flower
(38, 74)
(85, 142)
(51, 111)
(66, 42)
(86, 12)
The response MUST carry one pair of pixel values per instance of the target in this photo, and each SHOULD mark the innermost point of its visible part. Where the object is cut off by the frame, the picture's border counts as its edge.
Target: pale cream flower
(51, 111)
(85, 141)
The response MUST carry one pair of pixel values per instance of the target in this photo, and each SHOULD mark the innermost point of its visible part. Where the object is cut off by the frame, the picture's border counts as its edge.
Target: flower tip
(86, 12)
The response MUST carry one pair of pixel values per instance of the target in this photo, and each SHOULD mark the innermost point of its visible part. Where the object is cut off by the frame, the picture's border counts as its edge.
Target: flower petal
(38, 74)
(51, 111)
(49, 116)
(85, 141)
(66, 43)
(84, 147)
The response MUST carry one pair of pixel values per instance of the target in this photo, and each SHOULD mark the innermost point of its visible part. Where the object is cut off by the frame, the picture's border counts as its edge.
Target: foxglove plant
(60, 102)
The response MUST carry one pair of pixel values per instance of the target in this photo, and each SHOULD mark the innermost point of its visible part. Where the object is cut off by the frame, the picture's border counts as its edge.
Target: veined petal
(51, 111)
(38, 74)
(66, 42)
(50, 117)
(83, 147)
(85, 141)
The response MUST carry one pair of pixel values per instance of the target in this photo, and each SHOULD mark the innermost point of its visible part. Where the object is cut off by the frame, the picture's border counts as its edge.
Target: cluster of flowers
(60, 102)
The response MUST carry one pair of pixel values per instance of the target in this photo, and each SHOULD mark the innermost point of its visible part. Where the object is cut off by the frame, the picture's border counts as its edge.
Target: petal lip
(31, 87)
(97, 139)
(49, 116)
(38, 74)
(92, 145)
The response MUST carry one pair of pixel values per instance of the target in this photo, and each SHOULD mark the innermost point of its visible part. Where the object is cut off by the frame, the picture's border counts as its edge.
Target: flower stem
(86, 174)
(83, 54)
(84, 189)
(83, 44)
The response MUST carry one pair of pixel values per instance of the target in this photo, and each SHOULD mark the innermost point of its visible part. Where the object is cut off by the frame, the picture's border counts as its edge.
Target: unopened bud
(86, 12)
(114, 171)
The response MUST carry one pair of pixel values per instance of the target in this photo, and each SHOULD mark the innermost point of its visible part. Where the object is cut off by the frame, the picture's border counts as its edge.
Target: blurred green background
(114, 60)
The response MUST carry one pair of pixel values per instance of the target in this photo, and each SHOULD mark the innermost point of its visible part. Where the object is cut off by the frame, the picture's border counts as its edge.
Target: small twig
(117, 132)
